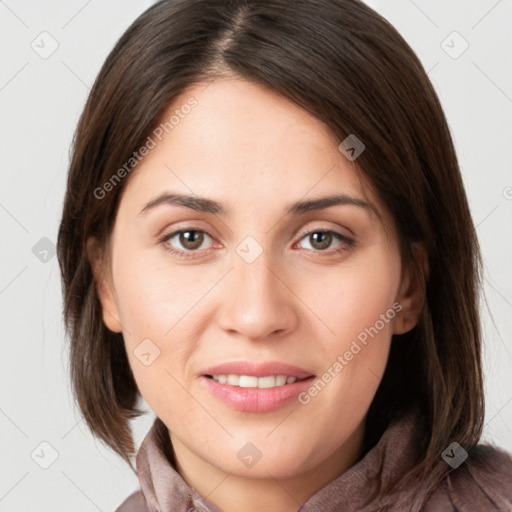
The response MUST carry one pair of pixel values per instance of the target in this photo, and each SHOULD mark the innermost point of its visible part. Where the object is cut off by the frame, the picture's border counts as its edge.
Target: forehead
(243, 140)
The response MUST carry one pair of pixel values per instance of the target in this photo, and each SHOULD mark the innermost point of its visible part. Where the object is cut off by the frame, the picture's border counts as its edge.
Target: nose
(257, 301)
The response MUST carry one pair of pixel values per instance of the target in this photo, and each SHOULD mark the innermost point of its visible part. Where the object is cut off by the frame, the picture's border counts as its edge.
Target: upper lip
(256, 369)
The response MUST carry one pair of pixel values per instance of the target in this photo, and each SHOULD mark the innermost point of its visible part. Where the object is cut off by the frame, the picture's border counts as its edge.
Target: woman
(266, 236)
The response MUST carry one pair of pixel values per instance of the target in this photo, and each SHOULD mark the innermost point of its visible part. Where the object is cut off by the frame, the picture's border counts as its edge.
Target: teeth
(249, 381)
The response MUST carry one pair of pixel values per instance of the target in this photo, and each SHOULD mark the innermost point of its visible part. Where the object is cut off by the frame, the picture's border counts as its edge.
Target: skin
(254, 152)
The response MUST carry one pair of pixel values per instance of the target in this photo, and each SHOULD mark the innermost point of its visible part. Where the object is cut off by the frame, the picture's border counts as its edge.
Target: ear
(412, 291)
(104, 286)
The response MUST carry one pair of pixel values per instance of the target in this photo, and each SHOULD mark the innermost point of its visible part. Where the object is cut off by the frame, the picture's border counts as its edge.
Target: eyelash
(347, 243)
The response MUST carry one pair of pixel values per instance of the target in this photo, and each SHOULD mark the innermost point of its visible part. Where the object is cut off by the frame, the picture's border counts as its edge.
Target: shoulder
(134, 503)
(482, 482)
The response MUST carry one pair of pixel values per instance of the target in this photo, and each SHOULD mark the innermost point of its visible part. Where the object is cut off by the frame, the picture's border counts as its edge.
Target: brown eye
(185, 242)
(320, 240)
(191, 240)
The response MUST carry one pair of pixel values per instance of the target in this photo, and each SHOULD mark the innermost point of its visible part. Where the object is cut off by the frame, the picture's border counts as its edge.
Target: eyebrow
(203, 204)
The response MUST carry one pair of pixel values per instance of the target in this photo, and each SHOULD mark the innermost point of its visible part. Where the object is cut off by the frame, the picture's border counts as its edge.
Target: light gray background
(40, 101)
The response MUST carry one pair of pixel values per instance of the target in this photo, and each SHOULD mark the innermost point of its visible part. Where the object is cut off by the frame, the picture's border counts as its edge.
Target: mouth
(256, 387)
(252, 381)
(251, 374)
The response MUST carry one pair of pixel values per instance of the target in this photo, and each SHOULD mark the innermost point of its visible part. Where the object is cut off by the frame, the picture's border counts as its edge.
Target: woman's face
(318, 289)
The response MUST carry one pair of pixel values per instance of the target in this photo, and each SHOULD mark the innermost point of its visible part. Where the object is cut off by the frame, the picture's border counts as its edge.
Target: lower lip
(256, 399)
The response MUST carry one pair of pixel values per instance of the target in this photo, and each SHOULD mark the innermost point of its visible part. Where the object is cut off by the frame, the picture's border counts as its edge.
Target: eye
(320, 240)
(190, 238)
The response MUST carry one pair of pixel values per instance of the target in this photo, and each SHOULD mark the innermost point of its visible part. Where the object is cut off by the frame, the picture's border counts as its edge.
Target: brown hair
(350, 68)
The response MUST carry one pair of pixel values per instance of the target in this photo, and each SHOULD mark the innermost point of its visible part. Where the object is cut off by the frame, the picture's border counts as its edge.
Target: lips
(256, 399)
(256, 369)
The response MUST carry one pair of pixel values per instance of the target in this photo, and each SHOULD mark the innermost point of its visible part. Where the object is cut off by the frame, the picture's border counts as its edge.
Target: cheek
(159, 304)
(154, 298)
(356, 304)
(354, 298)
